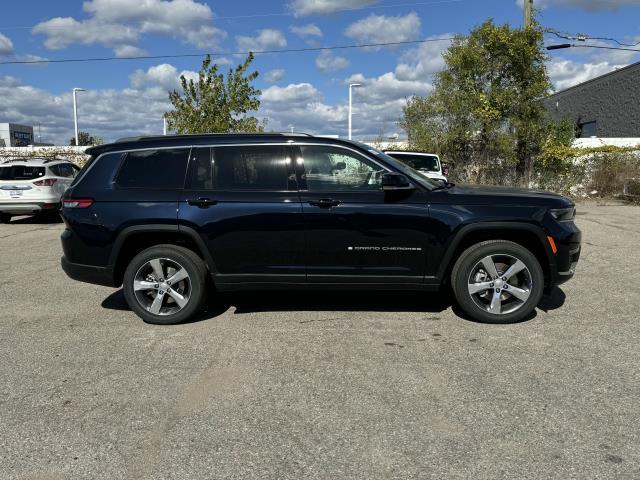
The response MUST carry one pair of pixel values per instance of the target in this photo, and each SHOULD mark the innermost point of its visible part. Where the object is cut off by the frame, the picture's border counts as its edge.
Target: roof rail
(196, 135)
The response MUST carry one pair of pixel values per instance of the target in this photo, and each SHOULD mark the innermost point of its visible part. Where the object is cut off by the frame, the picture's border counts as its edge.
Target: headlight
(564, 214)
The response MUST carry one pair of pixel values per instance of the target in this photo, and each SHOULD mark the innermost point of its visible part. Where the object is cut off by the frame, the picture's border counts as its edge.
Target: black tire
(197, 277)
(473, 305)
(5, 218)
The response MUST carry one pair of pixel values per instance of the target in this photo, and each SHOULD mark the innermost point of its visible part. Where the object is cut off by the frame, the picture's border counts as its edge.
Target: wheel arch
(132, 240)
(529, 236)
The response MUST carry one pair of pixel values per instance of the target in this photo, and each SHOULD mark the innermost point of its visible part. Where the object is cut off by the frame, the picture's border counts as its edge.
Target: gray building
(606, 106)
(14, 135)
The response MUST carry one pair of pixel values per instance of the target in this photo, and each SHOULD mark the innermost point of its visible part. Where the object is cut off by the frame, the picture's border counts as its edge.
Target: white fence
(74, 154)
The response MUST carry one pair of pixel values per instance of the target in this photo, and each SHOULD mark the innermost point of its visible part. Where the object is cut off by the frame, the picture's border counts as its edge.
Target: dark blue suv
(176, 218)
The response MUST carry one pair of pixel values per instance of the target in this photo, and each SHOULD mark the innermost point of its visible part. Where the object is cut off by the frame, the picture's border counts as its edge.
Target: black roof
(202, 139)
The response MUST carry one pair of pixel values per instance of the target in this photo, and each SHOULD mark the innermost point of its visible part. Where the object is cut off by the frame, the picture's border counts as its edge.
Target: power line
(602, 47)
(583, 38)
(289, 14)
(218, 54)
(607, 48)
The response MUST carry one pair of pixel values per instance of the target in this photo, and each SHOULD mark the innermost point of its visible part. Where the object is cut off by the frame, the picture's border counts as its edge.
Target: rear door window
(21, 172)
(154, 169)
(242, 168)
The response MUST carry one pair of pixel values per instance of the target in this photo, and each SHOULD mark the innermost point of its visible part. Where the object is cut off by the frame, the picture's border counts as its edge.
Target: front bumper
(568, 241)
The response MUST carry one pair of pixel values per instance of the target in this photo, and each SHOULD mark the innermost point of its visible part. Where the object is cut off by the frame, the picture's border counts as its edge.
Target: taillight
(77, 202)
(45, 182)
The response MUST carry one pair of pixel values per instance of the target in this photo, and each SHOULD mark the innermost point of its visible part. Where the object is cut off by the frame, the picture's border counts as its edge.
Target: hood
(478, 195)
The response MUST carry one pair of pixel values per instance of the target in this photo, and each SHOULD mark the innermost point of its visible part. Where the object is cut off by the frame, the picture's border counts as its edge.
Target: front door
(243, 201)
(356, 232)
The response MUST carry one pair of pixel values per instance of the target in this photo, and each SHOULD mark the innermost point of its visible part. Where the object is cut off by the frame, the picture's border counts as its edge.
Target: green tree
(215, 104)
(85, 139)
(485, 114)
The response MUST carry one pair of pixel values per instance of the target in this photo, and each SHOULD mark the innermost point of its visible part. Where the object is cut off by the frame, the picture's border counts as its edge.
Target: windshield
(427, 163)
(401, 167)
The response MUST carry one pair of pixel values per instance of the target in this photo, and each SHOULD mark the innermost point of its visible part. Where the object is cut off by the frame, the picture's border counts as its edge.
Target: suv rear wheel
(497, 282)
(165, 284)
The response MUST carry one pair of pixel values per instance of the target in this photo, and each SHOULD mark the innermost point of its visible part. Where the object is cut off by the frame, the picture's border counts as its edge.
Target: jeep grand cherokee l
(173, 219)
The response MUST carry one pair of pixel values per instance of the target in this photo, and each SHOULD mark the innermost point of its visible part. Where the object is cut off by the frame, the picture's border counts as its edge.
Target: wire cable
(291, 14)
(583, 38)
(219, 54)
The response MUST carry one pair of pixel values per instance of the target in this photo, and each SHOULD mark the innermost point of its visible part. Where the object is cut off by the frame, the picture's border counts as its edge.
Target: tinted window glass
(336, 169)
(63, 170)
(241, 168)
(202, 169)
(155, 169)
(21, 172)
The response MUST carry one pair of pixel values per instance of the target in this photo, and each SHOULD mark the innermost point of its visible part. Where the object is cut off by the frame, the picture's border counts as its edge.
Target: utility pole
(528, 13)
(351, 87)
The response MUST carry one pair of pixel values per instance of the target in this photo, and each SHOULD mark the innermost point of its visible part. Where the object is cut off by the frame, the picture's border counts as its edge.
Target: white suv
(33, 186)
(428, 164)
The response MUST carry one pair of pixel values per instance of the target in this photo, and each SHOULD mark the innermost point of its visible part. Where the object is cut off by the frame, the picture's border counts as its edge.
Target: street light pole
(75, 111)
(351, 86)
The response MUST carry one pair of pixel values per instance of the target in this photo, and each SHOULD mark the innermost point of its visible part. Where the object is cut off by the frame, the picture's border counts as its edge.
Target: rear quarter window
(154, 169)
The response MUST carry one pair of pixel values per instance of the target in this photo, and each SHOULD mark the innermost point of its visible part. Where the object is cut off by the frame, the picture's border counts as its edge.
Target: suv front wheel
(497, 282)
(165, 284)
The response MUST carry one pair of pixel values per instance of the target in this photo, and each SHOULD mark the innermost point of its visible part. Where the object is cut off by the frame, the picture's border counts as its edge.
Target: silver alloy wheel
(500, 284)
(162, 286)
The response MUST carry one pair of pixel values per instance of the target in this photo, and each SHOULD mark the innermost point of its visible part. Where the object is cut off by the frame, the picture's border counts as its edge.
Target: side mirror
(396, 181)
(339, 166)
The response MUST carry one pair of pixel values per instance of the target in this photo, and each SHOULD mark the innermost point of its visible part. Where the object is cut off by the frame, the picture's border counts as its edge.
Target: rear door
(356, 232)
(64, 173)
(243, 201)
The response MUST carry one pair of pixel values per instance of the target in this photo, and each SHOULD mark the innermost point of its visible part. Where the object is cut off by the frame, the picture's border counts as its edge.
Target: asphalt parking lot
(320, 385)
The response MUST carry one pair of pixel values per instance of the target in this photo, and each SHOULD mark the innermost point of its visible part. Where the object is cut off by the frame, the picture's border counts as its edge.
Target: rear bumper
(88, 273)
(29, 207)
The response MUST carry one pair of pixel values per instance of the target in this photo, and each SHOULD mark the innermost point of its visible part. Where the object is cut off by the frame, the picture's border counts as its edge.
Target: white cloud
(280, 97)
(275, 75)
(265, 40)
(327, 62)
(107, 113)
(383, 29)
(163, 75)
(118, 24)
(592, 5)
(64, 31)
(6, 45)
(309, 30)
(567, 73)
(301, 105)
(128, 51)
(421, 62)
(324, 7)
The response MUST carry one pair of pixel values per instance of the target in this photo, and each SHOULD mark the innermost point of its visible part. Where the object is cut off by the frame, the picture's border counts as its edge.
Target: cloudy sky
(305, 90)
